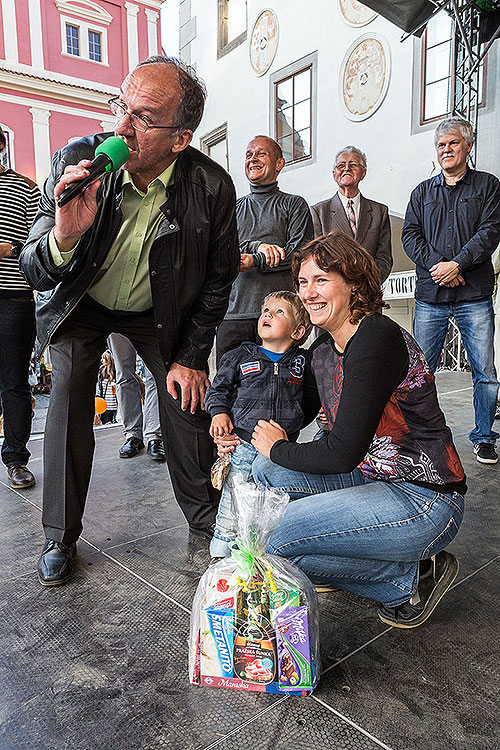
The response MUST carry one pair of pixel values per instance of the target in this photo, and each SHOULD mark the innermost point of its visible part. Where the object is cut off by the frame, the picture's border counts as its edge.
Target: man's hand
(445, 272)
(266, 434)
(73, 219)
(456, 282)
(274, 254)
(221, 425)
(5, 249)
(193, 385)
(246, 262)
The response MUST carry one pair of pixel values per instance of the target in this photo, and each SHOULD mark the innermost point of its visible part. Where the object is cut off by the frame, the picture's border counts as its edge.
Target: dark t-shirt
(380, 400)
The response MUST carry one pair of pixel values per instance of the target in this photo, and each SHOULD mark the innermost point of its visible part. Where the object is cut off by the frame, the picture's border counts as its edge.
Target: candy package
(254, 620)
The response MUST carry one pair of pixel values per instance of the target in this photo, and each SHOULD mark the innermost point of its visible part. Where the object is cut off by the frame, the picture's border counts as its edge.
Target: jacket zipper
(276, 369)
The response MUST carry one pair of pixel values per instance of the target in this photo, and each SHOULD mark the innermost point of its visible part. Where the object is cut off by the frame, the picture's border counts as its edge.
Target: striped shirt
(19, 198)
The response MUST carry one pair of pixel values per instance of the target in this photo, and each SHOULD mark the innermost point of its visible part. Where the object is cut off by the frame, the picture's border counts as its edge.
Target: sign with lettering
(399, 285)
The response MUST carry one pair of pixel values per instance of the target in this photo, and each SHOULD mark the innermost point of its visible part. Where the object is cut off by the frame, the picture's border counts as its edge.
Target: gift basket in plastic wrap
(254, 620)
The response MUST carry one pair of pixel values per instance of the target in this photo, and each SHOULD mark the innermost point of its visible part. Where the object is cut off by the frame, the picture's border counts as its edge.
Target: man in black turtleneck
(271, 224)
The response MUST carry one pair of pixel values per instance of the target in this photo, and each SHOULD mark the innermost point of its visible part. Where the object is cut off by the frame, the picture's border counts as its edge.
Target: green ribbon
(245, 557)
(248, 562)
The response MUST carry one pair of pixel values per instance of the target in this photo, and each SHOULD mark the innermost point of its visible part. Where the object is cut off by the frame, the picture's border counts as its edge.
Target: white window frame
(311, 61)
(84, 27)
(10, 152)
(214, 137)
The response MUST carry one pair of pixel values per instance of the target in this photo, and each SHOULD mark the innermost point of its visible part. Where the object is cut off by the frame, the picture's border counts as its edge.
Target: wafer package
(254, 620)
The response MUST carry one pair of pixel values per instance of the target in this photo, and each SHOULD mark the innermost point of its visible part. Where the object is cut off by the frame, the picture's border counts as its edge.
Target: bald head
(263, 160)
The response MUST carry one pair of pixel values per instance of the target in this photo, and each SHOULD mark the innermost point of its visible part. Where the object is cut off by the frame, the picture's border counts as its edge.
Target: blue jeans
(17, 336)
(226, 527)
(475, 321)
(358, 534)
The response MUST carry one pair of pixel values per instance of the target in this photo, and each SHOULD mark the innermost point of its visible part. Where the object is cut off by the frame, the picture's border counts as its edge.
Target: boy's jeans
(357, 534)
(242, 459)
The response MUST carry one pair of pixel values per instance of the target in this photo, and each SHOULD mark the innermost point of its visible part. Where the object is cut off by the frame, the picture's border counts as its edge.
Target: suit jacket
(373, 229)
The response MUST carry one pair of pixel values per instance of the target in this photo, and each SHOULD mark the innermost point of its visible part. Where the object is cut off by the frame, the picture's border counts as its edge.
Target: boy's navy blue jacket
(249, 386)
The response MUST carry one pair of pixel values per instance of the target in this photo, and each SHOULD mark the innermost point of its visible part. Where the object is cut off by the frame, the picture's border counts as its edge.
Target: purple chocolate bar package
(294, 649)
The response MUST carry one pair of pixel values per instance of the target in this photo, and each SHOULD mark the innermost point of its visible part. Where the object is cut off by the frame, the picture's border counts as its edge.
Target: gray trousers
(144, 425)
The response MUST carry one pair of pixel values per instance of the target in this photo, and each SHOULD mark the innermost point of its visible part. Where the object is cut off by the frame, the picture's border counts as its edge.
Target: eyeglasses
(138, 122)
(352, 165)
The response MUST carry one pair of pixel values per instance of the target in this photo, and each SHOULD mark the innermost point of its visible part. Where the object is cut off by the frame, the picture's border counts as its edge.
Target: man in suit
(350, 212)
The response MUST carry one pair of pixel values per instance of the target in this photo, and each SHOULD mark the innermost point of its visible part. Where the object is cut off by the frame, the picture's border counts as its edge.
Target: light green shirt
(123, 280)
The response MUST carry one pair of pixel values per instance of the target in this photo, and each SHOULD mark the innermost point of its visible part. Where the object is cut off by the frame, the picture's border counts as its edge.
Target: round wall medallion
(263, 42)
(356, 14)
(364, 76)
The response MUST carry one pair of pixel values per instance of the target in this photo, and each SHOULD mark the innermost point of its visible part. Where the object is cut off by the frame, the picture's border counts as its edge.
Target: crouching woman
(379, 497)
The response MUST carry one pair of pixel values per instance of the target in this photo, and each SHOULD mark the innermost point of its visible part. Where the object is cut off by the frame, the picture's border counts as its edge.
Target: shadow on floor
(102, 662)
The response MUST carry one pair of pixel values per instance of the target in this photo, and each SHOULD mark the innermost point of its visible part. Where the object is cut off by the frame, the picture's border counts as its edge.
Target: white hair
(351, 150)
(455, 123)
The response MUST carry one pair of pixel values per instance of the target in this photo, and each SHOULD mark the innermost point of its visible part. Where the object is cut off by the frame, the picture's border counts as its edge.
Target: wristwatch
(16, 248)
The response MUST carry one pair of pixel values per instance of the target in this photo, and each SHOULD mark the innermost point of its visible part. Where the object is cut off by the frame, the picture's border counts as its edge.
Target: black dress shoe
(55, 565)
(156, 450)
(20, 476)
(131, 447)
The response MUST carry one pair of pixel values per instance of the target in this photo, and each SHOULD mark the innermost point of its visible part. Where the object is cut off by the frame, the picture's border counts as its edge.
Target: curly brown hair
(339, 253)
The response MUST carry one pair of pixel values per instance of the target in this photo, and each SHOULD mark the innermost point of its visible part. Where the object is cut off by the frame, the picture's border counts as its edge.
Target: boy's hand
(221, 425)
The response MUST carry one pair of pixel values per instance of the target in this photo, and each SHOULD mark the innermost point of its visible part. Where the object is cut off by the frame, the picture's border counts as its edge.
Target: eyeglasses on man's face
(348, 165)
(139, 122)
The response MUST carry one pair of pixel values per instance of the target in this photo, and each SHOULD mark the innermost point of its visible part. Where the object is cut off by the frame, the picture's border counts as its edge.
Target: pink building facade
(60, 62)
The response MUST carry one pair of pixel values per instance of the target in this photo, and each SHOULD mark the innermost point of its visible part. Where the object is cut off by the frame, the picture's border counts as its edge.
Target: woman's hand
(266, 434)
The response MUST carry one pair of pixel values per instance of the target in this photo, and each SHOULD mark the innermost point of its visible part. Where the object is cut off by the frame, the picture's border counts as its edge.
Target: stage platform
(101, 663)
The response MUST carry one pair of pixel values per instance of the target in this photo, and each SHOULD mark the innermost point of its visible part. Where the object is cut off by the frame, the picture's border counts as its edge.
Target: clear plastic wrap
(254, 619)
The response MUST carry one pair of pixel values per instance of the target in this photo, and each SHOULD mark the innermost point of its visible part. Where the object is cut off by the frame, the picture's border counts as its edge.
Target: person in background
(149, 251)
(451, 230)
(350, 212)
(271, 224)
(19, 198)
(139, 423)
(496, 308)
(106, 388)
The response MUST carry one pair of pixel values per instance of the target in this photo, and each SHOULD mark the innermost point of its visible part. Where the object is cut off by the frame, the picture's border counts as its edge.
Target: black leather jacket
(193, 260)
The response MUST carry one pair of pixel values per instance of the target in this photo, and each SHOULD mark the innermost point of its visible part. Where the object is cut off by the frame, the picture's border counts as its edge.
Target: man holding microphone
(150, 252)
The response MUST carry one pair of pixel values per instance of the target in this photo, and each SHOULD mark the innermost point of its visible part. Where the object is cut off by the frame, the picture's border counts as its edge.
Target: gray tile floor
(101, 663)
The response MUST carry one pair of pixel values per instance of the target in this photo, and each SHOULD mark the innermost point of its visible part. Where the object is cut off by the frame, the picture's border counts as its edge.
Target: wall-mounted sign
(264, 42)
(399, 285)
(364, 76)
(356, 14)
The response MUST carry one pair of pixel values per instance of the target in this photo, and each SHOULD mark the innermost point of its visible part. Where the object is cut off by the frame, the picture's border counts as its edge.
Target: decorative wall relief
(264, 42)
(364, 76)
(356, 14)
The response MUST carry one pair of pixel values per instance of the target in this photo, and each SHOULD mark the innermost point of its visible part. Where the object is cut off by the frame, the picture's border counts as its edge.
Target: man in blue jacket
(451, 229)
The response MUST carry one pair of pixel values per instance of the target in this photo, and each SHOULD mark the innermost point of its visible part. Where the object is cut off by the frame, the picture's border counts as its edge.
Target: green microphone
(110, 155)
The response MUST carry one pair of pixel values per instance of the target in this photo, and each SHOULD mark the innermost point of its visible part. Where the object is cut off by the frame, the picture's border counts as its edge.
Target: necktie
(351, 217)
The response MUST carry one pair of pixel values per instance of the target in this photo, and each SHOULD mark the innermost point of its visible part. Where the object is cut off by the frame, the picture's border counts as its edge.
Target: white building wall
(400, 152)
(397, 159)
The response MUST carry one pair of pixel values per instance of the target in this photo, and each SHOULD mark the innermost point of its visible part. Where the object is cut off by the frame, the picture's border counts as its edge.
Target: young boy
(258, 382)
